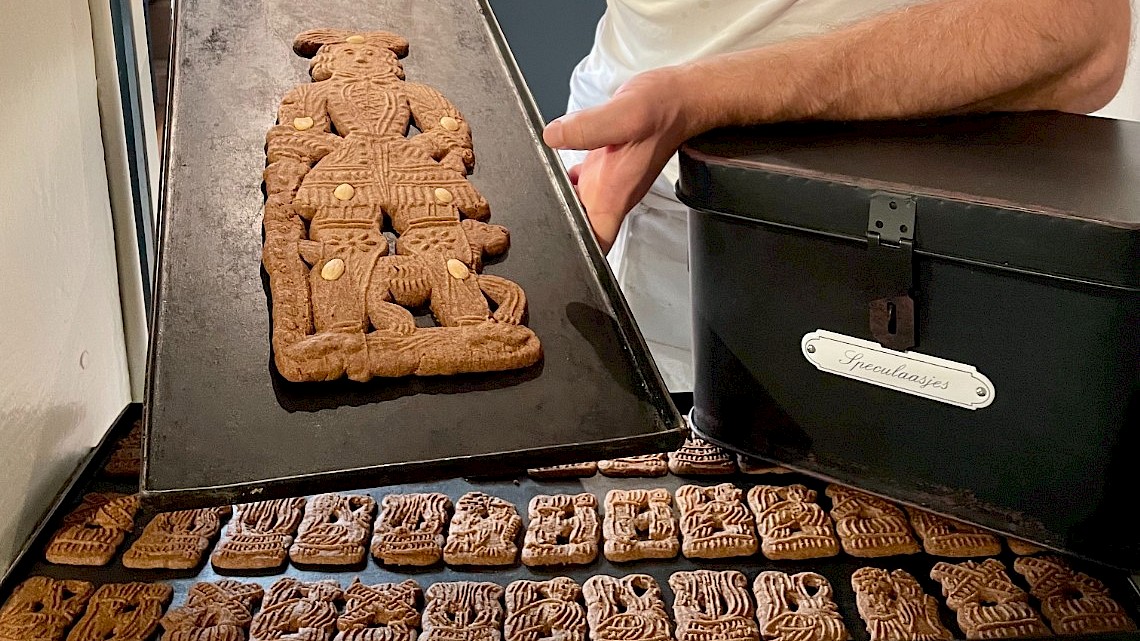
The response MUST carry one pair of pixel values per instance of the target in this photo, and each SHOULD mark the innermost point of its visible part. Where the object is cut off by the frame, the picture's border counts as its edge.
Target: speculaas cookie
(630, 608)
(869, 526)
(383, 612)
(698, 457)
(1023, 548)
(946, 537)
(335, 530)
(639, 524)
(713, 605)
(715, 523)
(799, 607)
(563, 530)
(463, 611)
(410, 529)
(126, 457)
(220, 611)
(175, 540)
(340, 300)
(92, 533)
(895, 608)
(646, 465)
(749, 465)
(987, 604)
(791, 524)
(296, 610)
(1073, 602)
(538, 610)
(43, 609)
(483, 531)
(122, 612)
(571, 471)
(259, 535)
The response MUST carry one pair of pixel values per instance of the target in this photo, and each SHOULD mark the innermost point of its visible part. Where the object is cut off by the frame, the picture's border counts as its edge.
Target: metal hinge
(890, 242)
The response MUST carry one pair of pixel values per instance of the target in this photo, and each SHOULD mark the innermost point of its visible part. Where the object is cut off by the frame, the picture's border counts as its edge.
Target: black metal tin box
(983, 273)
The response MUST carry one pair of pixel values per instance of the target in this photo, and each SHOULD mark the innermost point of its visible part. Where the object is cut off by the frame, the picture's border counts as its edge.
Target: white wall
(63, 369)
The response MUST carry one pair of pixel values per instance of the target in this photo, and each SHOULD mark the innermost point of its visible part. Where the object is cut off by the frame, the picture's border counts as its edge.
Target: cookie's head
(351, 53)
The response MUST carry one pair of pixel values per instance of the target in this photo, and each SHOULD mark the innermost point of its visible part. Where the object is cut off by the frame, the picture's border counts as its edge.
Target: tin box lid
(1048, 193)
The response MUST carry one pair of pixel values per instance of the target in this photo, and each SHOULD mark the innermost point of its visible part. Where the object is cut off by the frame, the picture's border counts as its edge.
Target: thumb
(612, 123)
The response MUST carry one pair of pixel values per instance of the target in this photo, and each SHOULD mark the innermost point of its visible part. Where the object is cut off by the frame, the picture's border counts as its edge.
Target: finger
(618, 121)
(574, 172)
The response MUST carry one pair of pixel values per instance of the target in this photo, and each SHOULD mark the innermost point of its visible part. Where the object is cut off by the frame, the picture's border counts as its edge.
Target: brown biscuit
(384, 612)
(790, 523)
(946, 537)
(259, 535)
(126, 458)
(895, 608)
(987, 604)
(563, 530)
(715, 524)
(296, 610)
(335, 530)
(869, 526)
(698, 457)
(1023, 548)
(627, 609)
(538, 610)
(749, 465)
(92, 533)
(713, 605)
(122, 612)
(571, 471)
(483, 531)
(1073, 602)
(797, 607)
(176, 540)
(639, 524)
(410, 529)
(220, 611)
(463, 611)
(43, 609)
(649, 465)
(341, 305)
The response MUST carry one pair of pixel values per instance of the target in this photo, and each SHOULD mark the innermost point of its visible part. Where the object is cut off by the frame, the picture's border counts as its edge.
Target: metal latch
(890, 241)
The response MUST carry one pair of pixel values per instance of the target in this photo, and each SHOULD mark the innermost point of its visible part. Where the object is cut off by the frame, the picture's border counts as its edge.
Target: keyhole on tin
(892, 319)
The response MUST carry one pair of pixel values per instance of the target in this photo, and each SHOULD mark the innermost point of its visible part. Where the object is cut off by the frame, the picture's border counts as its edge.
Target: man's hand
(631, 137)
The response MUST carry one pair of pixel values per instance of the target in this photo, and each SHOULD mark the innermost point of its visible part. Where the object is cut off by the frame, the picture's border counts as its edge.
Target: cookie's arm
(507, 295)
(303, 132)
(444, 133)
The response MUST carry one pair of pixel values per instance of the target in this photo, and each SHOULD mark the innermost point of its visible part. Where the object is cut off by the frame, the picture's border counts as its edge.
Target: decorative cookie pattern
(463, 611)
(126, 459)
(220, 611)
(715, 523)
(869, 526)
(895, 608)
(335, 530)
(639, 524)
(259, 535)
(713, 605)
(122, 612)
(1023, 548)
(790, 523)
(698, 457)
(544, 610)
(987, 604)
(571, 471)
(946, 537)
(627, 609)
(647, 465)
(798, 607)
(383, 612)
(92, 533)
(563, 530)
(175, 540)
(749, 465)
(483, 531)
(1073, 602)
(43, 609)
(294, 610)
(410, 529)
(340, 160)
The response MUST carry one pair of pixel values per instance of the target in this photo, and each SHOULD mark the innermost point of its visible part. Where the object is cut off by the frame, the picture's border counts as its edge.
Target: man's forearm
(946, 56)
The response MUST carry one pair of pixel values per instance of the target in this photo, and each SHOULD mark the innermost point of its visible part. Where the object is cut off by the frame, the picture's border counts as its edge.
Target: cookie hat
(308, 43)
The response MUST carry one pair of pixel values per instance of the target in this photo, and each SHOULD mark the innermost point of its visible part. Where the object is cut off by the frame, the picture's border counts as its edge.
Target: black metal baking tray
(519, 490)
(223, 425)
